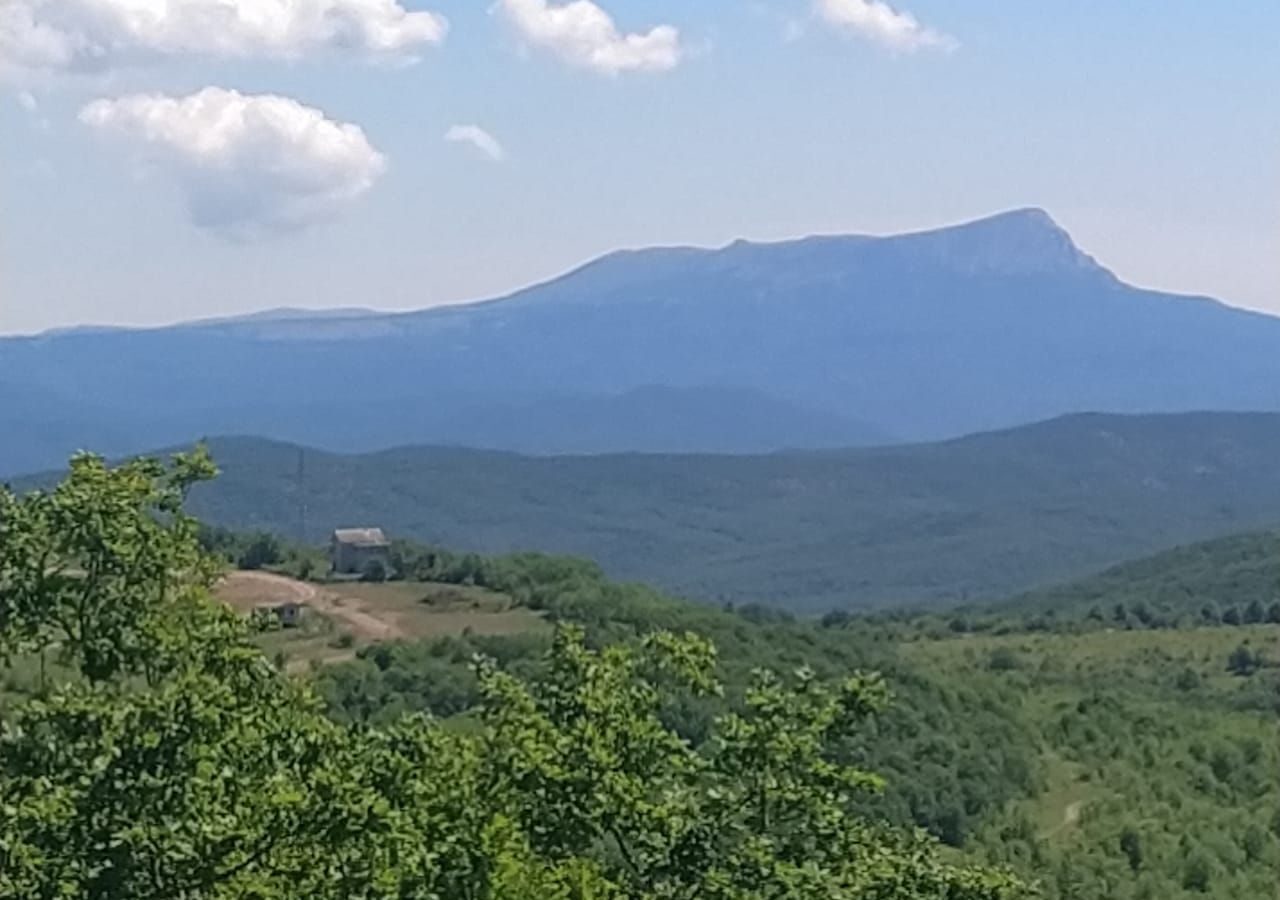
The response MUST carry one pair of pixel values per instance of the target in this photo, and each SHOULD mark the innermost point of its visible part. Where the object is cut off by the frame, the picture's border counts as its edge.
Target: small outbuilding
(352, 550)
(288, 614)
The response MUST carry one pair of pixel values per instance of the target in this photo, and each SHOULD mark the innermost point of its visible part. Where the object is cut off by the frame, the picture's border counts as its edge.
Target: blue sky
(1148, 129)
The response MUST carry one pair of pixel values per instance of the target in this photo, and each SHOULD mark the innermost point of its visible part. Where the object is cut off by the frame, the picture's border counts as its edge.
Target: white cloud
(28, 101)
(478, 138)
(584, 35)
(247, 164)
(89, 35)
(877, 21)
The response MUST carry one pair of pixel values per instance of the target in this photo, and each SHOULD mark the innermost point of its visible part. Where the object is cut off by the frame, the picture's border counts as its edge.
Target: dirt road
(1070, 818)
(245, 590)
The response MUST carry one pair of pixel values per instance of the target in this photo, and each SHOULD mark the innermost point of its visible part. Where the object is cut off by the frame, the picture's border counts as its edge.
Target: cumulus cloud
(28, 101)
(89, 35)
(877, 21)
(247, 164)
(584, 35)
(478, 138)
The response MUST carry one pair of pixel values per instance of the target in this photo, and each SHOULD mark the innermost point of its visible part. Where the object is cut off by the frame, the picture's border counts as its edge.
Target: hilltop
(812, 343)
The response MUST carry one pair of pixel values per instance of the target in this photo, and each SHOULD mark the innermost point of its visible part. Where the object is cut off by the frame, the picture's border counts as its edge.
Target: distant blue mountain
(816, 342)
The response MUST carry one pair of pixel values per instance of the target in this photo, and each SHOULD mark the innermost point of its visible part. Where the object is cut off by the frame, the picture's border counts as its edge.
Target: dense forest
(972, 519)
(638, 745)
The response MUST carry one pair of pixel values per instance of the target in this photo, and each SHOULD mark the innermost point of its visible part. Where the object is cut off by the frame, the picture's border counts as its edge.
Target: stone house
(351, 550)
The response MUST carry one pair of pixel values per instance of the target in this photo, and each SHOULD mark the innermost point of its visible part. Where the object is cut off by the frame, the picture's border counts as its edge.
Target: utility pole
(302, 496)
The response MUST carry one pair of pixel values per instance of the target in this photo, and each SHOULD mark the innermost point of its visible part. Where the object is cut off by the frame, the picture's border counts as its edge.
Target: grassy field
(340, 618)
(1116, 653)
(427, 609)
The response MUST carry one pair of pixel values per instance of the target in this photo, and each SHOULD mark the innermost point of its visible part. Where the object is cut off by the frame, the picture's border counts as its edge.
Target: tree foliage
(950, 755)
(106, 567)
(178, 762)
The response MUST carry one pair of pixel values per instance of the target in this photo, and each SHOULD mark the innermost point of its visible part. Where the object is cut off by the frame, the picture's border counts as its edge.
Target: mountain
(38, 427)
(806, 343)
(975, 518)
(285, 314)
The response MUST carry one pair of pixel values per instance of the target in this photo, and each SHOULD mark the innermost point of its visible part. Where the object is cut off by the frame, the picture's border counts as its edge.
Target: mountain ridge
(1027, 228)
(1029, 225)
(854, 339)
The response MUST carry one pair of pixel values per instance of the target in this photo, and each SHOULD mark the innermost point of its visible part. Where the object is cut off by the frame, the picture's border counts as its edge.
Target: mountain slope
(978, 517)
(920, 336)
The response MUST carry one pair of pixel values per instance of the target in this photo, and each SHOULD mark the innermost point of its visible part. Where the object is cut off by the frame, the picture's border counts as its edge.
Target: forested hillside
(1230, 581)
(1123, 763)
(164, 756)
(975, 518)
(609, 751)
(1120, 762)
(1233, 580)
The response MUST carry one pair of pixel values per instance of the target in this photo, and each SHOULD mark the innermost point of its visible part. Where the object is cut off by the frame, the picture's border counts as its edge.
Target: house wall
(352, 559)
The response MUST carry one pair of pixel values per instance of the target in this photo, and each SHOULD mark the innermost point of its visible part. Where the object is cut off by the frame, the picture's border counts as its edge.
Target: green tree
(1004, 659)
(769, 811)
(374, 571)
(106, 567)
(1187, 680)
(1253, 842)
(1131, 847)
(837, 618)
(1242, 661)
(263, 549)
(215, 776)
(1197, 873)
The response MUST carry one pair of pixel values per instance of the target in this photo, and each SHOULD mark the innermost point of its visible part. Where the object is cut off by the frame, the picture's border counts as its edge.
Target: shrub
(374, 571)
(1243, 661)
(1004, 659)
(262, 550)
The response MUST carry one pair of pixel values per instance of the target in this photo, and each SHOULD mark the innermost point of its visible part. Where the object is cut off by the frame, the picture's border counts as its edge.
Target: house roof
(361, 537)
